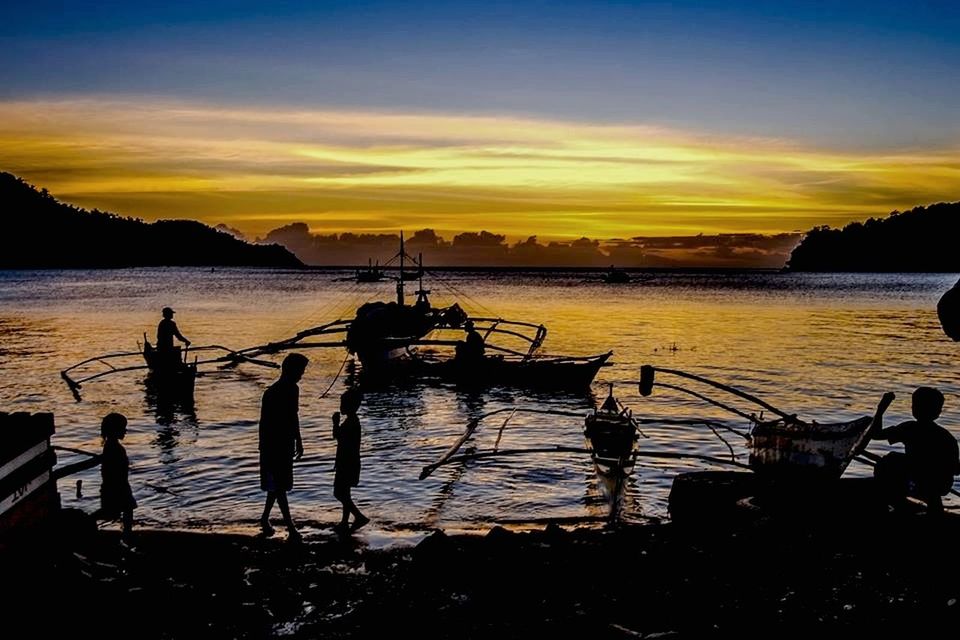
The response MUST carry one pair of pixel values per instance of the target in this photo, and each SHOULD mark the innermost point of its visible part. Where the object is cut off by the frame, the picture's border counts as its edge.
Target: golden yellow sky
(342, 170)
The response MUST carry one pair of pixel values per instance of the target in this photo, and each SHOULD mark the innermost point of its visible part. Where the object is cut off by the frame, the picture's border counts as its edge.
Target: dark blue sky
(861, 74)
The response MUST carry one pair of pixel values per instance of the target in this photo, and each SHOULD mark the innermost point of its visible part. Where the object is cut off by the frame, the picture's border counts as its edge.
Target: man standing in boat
(166, 331)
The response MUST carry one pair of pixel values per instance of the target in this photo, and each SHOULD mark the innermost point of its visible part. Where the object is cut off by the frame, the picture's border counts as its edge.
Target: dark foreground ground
(759, 576)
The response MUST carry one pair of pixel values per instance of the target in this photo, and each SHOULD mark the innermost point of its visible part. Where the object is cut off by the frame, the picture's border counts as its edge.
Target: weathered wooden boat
(790, 448)
(611, 435)
(28, 489)
(785, 447)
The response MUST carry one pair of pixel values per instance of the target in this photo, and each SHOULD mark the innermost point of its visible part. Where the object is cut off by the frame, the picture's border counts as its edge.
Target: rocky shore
(885, 575)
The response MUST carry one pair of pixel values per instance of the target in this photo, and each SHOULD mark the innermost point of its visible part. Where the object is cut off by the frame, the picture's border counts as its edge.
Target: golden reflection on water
(824, 346)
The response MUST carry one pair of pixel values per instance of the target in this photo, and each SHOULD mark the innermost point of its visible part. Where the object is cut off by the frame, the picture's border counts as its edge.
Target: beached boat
(785, 447)
(611, 435)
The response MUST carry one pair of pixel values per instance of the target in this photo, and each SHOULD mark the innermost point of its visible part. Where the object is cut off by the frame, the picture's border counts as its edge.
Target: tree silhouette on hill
(921, 239)
(40, 232)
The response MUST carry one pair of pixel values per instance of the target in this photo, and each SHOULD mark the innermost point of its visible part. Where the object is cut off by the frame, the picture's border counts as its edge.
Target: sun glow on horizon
(366, 171)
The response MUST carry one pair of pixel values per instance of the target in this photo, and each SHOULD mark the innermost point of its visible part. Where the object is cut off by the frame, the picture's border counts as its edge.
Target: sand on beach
(884, 575)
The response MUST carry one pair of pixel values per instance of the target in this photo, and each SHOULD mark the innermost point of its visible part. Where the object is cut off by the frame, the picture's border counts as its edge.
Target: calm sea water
(824, 346)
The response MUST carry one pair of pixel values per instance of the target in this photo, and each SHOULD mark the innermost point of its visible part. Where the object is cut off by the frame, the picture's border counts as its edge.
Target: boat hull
(536, 373)
(806, 450)
(168, 374)
(612, 439)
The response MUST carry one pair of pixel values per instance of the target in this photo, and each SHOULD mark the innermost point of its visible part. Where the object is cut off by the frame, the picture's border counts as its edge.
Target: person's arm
(176, 332)
(297, 440)
(877, 431)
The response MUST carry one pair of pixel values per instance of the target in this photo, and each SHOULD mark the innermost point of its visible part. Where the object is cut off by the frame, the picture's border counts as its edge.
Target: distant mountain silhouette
(921, 239)
(41, 232)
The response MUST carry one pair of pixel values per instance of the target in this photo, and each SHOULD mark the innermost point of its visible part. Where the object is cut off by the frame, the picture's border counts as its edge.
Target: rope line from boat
(336, 377)
(496, 445)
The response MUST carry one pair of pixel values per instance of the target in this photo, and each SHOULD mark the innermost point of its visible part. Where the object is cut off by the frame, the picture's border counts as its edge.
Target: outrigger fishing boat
(170, 373)
(399, 341)
(785, 447)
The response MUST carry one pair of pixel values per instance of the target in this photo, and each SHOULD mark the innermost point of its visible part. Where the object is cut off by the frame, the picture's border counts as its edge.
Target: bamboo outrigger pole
(647, 373)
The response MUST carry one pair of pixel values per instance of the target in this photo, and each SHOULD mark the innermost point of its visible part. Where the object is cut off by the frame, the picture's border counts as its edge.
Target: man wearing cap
(470, 350)
(167, 330)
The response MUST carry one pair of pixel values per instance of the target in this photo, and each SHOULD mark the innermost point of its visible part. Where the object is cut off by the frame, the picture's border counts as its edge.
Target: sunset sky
(559, 119)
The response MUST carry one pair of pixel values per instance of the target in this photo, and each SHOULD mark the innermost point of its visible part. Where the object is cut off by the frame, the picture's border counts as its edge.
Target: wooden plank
(23, 491)
(25, 472)
(9, 467)
(31, 513)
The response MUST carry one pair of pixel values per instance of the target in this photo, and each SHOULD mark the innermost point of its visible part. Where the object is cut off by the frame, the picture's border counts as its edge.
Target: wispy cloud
(257, 168)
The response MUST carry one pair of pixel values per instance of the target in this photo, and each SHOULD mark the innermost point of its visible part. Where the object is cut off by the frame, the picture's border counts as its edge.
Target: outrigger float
(392, 341)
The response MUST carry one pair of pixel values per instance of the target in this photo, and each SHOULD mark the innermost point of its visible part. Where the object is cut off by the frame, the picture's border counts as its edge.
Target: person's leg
(285, 509)
(934, 505)
(127, 518)
(347, 501)
(892, 478)
(292, 533)
(265, 518)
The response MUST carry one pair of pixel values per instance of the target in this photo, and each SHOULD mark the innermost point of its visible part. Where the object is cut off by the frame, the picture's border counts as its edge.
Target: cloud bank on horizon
(610, 120)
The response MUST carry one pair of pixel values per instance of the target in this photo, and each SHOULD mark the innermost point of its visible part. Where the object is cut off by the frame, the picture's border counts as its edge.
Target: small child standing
(116, 497)
(931, 455)
(347, 466)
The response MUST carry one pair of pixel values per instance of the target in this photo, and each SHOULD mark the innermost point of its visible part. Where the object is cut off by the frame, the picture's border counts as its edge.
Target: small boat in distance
(373, 273)
(616, 276)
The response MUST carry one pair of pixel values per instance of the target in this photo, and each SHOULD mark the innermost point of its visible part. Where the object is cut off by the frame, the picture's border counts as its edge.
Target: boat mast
(400, 281)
